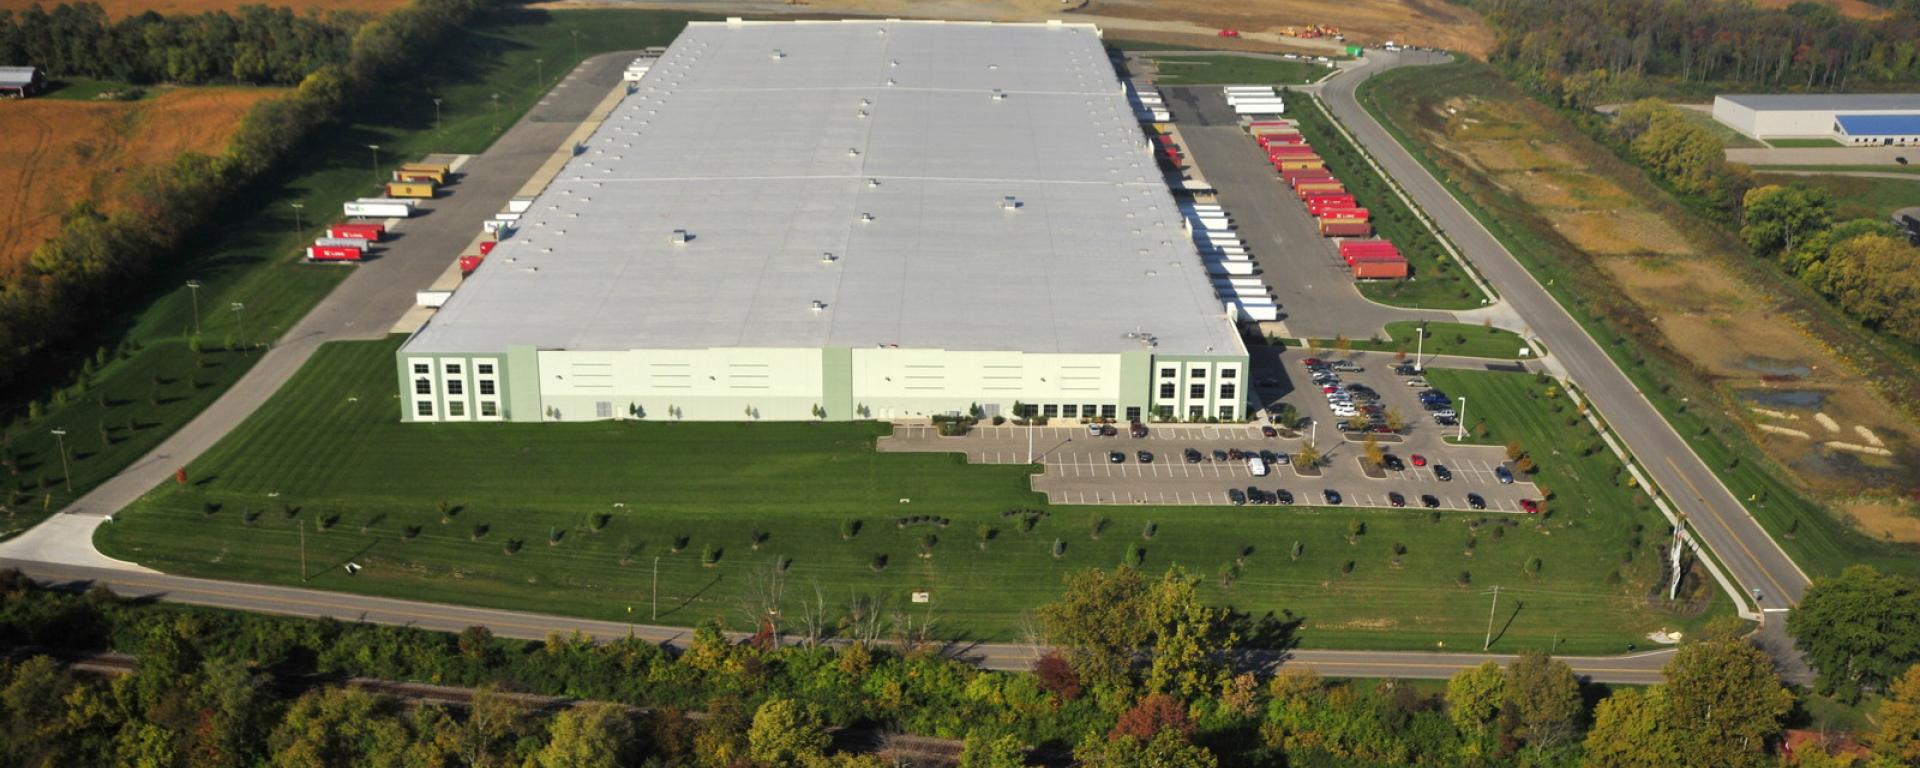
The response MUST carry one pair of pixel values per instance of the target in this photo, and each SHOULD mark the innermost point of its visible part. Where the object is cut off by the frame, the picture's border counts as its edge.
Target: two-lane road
(1750, 555)
(1642, 668)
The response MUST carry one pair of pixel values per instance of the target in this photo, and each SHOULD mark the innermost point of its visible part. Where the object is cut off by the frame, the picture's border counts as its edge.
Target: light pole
(1420, 350)
(60, 436)
(576, 44)
(297, 226)
(194, 287)
(376, 160)
(1462, 434)
(539, 73)
(436, 115)
(241, 318)
(496, 113)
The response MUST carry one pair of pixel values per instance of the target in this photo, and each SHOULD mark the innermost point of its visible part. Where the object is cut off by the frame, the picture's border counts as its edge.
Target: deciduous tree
(1633, 729)
(1859, 629)
(1725, 702)
(1542, 695)
(1899, 734)
(785, 733)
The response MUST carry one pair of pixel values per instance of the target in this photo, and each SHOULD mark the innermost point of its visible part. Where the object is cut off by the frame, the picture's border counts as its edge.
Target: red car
(1530, 506)
(1329, 389)
(1310, 362)
(1268, 431)
(1419, 460)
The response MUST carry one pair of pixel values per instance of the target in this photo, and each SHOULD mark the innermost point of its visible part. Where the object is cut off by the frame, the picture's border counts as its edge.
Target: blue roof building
(1898, 130)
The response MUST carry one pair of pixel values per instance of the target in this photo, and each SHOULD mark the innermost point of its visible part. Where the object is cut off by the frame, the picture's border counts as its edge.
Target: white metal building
(1764, 116)
(843, 220)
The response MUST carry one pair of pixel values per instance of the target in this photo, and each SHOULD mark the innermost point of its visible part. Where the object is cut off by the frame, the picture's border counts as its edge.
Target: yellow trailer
(1300, 165)
(419, 174)
(444, 169)
(410, 189)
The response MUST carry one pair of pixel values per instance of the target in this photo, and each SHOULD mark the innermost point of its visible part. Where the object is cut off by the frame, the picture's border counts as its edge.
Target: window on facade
(422, 386)
(1165, 411)
(424, 408)
(1087, 411)
(1226, 391)
(1070, 411)
(1167, 373)
(1228, 373)
(1049, 410)
(1197, 373)
(1197, 391)
(1196, 412)
(456, 387)
(489, 408)
(1166, 391)
(453, 369)
(1226, 411)
(484, 369)
(1133, 413)
(456, 408)
(486, 386)
(603, 409)
(1106, 412)
(422, 368)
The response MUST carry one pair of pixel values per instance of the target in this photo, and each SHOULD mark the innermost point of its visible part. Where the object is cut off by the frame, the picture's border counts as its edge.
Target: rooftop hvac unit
(818, 307)
(779, 54)
(866, 217)
(679, 237)
(999, 95)
(828, 258)
(871, 183)
(1009, 203)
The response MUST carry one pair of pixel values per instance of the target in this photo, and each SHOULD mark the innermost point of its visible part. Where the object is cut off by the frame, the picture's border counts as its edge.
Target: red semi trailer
(333, 253)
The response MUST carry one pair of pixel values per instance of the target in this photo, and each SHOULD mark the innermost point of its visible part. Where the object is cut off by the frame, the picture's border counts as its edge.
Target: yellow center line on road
(1779, 590)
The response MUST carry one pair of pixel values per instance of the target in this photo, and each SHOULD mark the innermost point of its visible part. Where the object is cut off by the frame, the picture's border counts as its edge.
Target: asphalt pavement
(1641, 668)
(1750, 556)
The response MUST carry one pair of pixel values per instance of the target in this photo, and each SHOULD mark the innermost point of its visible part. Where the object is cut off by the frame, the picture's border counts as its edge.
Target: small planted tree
(1394, 420)
(1147, 531)
(679, 543)
(927, 543)
(601, 520)
(409, 533)
(756, 537)
(446, 512)
(877, 564)
(1298, 550)
(986, 534)
(1533, 567)
(1346, 567)
(1059, 549)
(554, 535)
(1514, 451)
(1375, 455)
(1465, 579)
(512, 547)
(1134, 556)
(849, 528)
(250, 517)
(1355, 529)
(479, 532)
(1099, 525)
(1308, 456)
(709, 556)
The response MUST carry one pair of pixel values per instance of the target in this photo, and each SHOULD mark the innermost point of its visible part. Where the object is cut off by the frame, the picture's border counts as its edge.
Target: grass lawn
(1729, 137)
(1460, 339)
(1438, 282)
(1802, 143)
(1234, 70)
(253, 261)
(330, 448)
(1855, 197)
(84, 89)
(1819, 542)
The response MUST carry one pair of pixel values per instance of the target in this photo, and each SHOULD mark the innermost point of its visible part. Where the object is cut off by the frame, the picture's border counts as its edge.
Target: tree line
(1804, 46)
(258, 44)
(1142, 677)
(74, 282)
(1865, 267)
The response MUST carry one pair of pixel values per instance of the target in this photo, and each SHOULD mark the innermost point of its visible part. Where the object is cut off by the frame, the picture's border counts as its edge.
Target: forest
(1142, 677)
(1808, 46)
(260, 45)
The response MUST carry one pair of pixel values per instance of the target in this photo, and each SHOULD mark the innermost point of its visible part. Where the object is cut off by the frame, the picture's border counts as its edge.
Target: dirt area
(1262, 23)
(55, 153)
(1857, 9)
(1727, 326)
(118, 9)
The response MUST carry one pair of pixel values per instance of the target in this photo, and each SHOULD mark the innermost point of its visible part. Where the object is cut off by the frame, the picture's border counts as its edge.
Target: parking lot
(1080, 468)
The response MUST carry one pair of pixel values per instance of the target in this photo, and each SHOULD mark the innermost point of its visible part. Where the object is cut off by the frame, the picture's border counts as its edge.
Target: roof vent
(779, 54)
(866, 217)
(999, 95)
(828, 258)
(679, 237)
(852, 152)
(819, 306)
(891, 81)
(1009, 203)
(871, 183)
(862, 113)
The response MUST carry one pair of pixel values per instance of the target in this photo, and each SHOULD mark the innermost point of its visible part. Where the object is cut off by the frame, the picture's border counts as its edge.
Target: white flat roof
(770, 142)
(1839, 102)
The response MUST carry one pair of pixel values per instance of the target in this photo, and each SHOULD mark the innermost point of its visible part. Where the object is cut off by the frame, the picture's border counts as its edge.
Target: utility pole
(540, 73)
(629, 622)
(303, 553)
(656, 588)
(194, 287)
(1490, 611)
(1420, 348)
(436, 115)
(376, 160)
(60, 436)
(1029, 441)
(496, 113)
(1462, 434)
(576, 45)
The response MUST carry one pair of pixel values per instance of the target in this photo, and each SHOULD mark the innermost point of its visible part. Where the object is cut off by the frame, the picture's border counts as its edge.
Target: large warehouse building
(1854, 119)
(845, 220)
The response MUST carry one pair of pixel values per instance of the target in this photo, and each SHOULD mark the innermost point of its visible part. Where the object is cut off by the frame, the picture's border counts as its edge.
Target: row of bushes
(74, 282)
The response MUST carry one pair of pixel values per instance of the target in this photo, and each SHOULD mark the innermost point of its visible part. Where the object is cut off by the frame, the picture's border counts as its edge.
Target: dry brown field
(55, 153)
(118, 9)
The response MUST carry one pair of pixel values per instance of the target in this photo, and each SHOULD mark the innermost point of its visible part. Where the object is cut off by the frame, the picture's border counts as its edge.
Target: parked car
(1475, 501)
(1310, 362)
(1429, 501)
(1405, 369)
(1530, 506)
(1146, 457)
(1256, 466)
(1504, 475)
(1332, 496)
(1219, 455)
(1393, 463)
(1347, 366)
(1268, 431)
(1396, 500)
(1137, 430)
(1095, 430)
(1441, 473)
(1116, 457)
(1108, 430)
(1446, 421)
(1446, 413)
(1236, 496)
(1282, 458)
(1419, 460)
(1285, 496)
(1233, 454)
(1416, 382)
(1193, 456)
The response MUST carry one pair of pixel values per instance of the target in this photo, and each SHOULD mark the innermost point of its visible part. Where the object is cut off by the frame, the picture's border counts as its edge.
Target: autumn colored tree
(1899, 734)
(1056, 676)
(1152, 714)
(1633, 729)
(1725, 702)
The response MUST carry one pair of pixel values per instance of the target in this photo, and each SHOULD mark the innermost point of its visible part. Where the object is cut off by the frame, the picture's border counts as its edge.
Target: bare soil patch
(1891, 520)
(1856, 9)
(56, 153)
(1420, 22)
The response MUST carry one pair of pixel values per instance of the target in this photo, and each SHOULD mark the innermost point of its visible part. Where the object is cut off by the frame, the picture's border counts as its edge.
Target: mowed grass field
(1461, 339)
(1234, 70)
(1858, 197)
(524, 528)
(152, 382)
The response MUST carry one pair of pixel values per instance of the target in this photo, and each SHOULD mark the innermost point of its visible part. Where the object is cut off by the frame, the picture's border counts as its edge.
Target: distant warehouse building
(1857, 119)
(844, 220)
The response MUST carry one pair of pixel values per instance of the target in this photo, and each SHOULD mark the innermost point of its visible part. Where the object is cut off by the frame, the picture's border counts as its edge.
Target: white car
(1445, 413)
(1256, 466)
